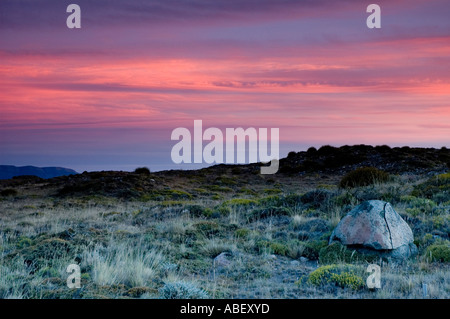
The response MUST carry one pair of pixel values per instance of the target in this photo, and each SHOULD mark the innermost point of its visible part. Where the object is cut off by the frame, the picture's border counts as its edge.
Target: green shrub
(25, 224)
(172, 203)
(225, 180)
(273, 200)
(48, 272)
(137, 292)
(242, 232)
(198, 211)
(262, 245)
(261, 213)
(315, 198)
(344, 199)
(201, 191)
(217, 188)
(295, 248)
(207, 227)
(288, 201)
(425, 241)
(247, 191)
(142, 171)
(23, 242)
(176, 194)
(241, 202)
(222, 210)
(312, 248)
(363, 176)
(417, 201)
(438, 252)
(418, 205)
(182, 290)
(48, 250)
(437, 188)
(349, 280)
(343, 276)
(272, 191)
(278, 249)
(336, 252)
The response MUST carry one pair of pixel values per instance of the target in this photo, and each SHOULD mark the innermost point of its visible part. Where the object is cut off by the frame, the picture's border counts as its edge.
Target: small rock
(295, 263)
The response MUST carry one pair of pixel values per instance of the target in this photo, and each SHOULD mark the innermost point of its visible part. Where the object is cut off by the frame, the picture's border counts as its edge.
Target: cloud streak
(138, 69)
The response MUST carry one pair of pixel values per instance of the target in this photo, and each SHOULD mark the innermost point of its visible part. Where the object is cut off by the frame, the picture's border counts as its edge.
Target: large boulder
(375, 227)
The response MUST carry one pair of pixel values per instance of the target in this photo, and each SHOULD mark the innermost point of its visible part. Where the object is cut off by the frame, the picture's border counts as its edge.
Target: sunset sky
(108, 95)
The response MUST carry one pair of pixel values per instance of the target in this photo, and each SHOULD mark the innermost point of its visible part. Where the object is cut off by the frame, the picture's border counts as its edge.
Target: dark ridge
(327, 161)
(10, 171)
(342, 159)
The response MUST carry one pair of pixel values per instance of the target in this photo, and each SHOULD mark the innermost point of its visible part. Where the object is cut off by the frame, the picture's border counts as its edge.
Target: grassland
(222, 232)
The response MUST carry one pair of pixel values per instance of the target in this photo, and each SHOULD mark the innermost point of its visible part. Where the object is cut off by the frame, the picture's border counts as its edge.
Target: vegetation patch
(142, 171)
(363, 176)
(438, 252)
(261, 213)
(182, 290)
(48, 250)
(337, 253)
(312, 248)
(242, 232)
(343, 276)
(137, 238)
(436, 188)
(207, 227)
(241, 202)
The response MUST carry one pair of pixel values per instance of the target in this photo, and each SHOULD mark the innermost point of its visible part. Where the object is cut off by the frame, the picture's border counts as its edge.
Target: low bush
(418, 205)
(279, 249)
(312, 249)
(438, 252)
(434, 188)
(343, 276)
(261, 213)
(242, 232)
(142, 171)
(207, 227)
(363, 176)
(198, 211)
(337, 252)
(241, 202)
(182, 290)
(316, 198)
(176, 194)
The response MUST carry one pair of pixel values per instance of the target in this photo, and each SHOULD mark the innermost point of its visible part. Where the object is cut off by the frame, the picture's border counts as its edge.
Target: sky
(107, 96)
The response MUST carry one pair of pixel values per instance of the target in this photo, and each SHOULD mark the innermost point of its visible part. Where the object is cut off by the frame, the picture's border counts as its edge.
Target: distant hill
(342, 159)
(10, 171)
(299, 171)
